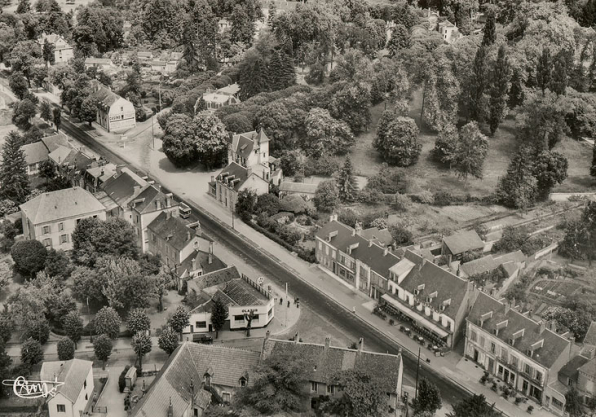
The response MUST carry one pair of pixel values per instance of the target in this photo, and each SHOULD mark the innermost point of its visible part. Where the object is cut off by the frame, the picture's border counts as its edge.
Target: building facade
(518, 350)
(114, 113)
(233, 179)
(52, 217)
(63, 52)
(73, 398)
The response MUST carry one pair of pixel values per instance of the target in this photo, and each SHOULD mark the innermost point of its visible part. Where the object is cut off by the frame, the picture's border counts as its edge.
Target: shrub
(424, 197)
(401, 235)
(348, 217)
(29, 256)
(442, 198)
(401, 202)
(290, 235)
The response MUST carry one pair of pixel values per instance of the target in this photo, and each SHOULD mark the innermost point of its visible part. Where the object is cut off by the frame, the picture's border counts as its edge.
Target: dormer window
(207, 378)
(243, 381)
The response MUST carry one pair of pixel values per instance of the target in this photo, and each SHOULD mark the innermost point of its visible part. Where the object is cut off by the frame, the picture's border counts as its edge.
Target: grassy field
(427, 175)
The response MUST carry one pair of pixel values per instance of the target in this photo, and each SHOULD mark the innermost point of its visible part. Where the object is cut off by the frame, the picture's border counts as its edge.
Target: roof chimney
(327, 342)
(542, 326)
(248, 172)
(194, 263)
(210, 253)
(188, 235)
(385, 251)
(267, 334)
(169, 200)
(170, 409)
(358, 228)
(360, 344)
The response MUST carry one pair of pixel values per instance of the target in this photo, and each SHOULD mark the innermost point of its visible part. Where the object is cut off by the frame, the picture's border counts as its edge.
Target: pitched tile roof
(517, 256)
(61, 204)
(552, 347)
(214, 278)
(243, 293)
(187, 364)
(98, 61)
(35, 152)
(590, 338)
(121, 187)
(103, 94)
(298, 187)
(103, 172)
(73, 373)
(571, 368)
(202, 261)
(173, 229)
(434, 278)
(380, 236)
(589, 368)
(243, 143)
(60, 154)
(148, 199)
(478, 266)
(234, 172)
(463, 241)
(55, 141)
(370, 254)
(326, 362)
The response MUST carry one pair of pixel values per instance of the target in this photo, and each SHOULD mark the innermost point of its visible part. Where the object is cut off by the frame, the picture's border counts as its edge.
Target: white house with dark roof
(220, 98)
(518, 350)
(324, 362)
(235, 178)
(185, 383)
(52, 217)
(63, 52)
(114, 113)
(73, 398)
(303, 189)
(105, 64)
(238, 293)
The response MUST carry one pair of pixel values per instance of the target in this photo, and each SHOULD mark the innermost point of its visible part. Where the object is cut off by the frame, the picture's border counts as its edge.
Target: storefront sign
(32, 389)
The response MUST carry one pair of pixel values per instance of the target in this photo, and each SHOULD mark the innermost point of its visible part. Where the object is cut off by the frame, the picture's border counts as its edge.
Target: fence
(256, 286)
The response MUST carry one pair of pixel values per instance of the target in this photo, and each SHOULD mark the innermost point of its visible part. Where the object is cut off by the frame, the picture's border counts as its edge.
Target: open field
(428, 175)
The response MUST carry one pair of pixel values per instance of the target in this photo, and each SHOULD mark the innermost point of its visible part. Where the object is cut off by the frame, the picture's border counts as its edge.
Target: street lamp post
(417, 369)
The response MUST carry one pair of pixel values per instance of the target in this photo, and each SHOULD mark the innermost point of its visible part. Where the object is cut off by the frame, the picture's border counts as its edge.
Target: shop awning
(417, 317)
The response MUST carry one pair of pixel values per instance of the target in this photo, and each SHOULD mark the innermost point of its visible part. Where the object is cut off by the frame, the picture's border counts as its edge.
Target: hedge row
(308, 256)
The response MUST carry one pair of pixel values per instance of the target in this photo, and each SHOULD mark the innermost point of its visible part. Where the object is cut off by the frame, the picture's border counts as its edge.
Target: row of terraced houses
(445, 306)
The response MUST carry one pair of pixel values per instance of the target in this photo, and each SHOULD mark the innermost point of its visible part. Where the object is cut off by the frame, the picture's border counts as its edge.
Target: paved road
(317, 302)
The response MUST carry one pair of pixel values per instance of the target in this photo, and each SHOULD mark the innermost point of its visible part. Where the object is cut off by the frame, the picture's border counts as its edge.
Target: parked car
(202, 339)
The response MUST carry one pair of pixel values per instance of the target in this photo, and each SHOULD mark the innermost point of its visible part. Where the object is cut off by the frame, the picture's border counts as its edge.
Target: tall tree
(14, 180)
(477, 85)
(31, 352)
(168, 340)
(253, 76)
(279, 385)
(445, 150)
(219, 315)
(501, 76)
(517, 189)
(560, 77)
(474, 406)
(346, 182)
(23, 7)
(516, 91)
(47, 53)
(102, 347)
(107, 321)
(398, 143)
(5, 362)
(490, 31)
(400, 39)
(242, 24)
(361, 395)
(428, 399)
(23, 112)
(138, 321)
(142, 345)
(57, 118)
(326, 196)
(179, 320)
(18, 84)
(550, 169)
(544, 70)
(66, 349)
(471, 152)
(326, 135)
(593, 167)
(72, 324)
(25, 57)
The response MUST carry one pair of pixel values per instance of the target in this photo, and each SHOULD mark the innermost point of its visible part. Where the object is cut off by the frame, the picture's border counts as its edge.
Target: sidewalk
(192, 186)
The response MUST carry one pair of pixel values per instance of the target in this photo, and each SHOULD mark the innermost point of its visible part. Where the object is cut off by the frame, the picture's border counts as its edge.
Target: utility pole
(417, 369)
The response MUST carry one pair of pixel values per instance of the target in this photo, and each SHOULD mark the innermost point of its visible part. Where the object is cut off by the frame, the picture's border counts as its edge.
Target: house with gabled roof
(114, 113)
(235, 178)
(435, 301)
(95, 176)
(325, 362)
(192, 374)
(119, 190)
(173, 240)
(63, 52)
(73, 397)
(216, 99)
(35, 154)
(105, 64)
(238, 293)
(358, 262)
(457, 244)
(519, 350)
(54, 141)
(52, 217)
(70, 163)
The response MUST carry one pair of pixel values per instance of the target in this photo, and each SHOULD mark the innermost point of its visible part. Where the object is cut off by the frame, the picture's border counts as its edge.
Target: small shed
(130, 378)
